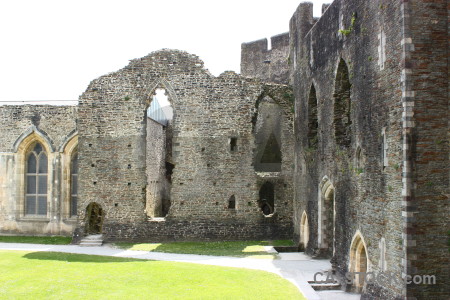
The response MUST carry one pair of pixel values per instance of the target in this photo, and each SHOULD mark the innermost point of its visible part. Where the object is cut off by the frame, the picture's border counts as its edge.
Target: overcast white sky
(52, 49)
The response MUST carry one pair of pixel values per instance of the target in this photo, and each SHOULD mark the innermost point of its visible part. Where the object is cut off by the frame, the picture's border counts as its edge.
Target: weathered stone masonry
(381, 140)
(208, 113)
(337, 136)
(55, 128)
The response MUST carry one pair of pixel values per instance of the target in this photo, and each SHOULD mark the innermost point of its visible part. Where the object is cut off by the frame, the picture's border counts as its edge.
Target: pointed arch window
(36, 181)
(73, 185)
(342, 106)
(313, 124)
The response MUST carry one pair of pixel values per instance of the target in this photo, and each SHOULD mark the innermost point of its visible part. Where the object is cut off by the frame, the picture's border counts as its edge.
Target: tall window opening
(268, 156)
(36, 181)
(73, 185)
(159, 162)
(342, 106)
(313, 123)
(267, 198)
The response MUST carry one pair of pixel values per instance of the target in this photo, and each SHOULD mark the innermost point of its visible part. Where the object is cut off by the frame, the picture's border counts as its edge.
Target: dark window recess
(313, 123)
(232, 202)
(233, 144)
(272, 152)
(342, 106)
(169, 171)
(267, 198)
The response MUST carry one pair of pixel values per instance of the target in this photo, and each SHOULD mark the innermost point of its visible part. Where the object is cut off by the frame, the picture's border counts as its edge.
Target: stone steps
(95, 240)
(326, 286)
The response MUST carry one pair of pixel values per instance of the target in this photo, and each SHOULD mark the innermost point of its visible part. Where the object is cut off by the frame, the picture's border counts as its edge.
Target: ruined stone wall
(427, 210)
(367, 193)
(55, 128)
(268, 65)
(208, 112)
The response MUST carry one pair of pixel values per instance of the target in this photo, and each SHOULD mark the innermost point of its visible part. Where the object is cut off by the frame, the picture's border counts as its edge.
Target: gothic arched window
(36, 181)
(73, 185)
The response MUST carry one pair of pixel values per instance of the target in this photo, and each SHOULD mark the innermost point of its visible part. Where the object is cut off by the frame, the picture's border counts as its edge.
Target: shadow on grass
(71, 257)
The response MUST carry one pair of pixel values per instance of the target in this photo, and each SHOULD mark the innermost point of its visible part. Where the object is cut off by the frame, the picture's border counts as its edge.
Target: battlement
(257, 60)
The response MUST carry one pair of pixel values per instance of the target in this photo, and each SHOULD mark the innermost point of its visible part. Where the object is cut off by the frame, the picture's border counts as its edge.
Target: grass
(254, 249)
(49, 275)
(48, 240)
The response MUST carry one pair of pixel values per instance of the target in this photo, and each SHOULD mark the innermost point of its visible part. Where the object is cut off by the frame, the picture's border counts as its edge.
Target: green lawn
(49, 275)
(237, 249)
(49, 240)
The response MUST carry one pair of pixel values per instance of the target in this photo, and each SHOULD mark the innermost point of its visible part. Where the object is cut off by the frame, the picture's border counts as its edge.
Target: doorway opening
(94, 218)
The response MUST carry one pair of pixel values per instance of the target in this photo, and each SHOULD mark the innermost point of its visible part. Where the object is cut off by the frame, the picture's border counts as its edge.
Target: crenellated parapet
(270, 65)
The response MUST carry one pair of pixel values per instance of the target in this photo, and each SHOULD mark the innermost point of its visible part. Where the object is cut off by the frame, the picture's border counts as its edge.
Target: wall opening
(342, 106)
(358, 261)
(326, 222)
(267, 130)
(233, 144)
(159, 161)
(232, 202)
(36, 181)
(94, 218)
(304, 230)
(358, 160)
(313, 123)
(267, 198)
(382, 263)
(384, 149)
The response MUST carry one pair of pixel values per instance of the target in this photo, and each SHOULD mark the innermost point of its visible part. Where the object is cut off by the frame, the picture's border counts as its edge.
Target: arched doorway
(358, 261)
(94, 218)
(326, 214)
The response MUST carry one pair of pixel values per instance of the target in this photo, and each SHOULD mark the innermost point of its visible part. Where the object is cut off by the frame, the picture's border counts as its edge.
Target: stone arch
(94, 218)
(313, 123)
(160, 83)
(68, 141)
(359, 260)
(304, 230)
(31, 135)
(326, 216)
(342, 106)
(69, 161)
(23, 147)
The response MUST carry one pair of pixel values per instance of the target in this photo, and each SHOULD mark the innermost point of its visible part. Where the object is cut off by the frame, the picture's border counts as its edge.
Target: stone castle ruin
(337, 137)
